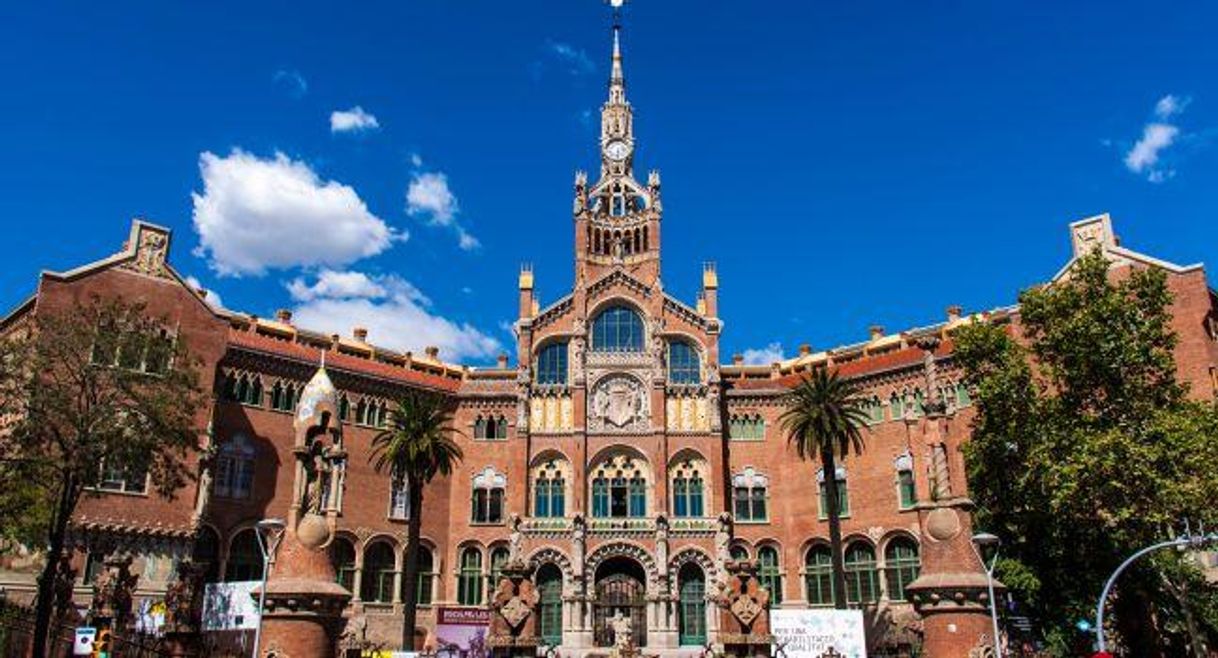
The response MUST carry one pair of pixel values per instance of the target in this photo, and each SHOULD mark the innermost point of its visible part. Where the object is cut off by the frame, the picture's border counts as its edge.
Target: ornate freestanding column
(951, 592)
(514, 625)
(304, 604)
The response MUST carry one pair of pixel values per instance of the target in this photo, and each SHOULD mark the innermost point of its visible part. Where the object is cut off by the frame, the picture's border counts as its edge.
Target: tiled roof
(341, 362)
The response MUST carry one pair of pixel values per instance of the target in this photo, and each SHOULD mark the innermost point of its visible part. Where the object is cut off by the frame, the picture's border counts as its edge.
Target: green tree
(99, 392)
(822, 420)
(415, 448)
(1086, 448)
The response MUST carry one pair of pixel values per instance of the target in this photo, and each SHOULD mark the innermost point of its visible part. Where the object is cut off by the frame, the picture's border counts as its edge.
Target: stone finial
(954, 312)
(502, 360)
(805, 349)
(360, 333)
(432, 351)
(876, 331)
(284, 315)
(737, 359)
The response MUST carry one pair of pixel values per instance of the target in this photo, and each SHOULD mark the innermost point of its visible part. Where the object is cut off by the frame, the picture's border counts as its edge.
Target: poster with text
(462, 631)
(230, 606)
(811, 633)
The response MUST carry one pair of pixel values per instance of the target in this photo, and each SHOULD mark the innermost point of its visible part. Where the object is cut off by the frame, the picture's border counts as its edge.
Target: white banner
(230, 606)
(811, 633)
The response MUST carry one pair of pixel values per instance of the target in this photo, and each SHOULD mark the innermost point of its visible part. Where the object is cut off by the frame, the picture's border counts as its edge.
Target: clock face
(617, 150)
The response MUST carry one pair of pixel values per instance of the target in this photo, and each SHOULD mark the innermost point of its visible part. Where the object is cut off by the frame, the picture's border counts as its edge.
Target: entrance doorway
(620, 587)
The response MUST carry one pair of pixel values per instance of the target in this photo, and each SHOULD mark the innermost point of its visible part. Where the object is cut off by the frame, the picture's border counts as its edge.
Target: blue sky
(844, 163)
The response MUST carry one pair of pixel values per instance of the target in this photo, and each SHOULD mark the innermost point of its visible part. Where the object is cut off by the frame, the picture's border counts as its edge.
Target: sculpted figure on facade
(581, 193)
(579, 533)
(515, 541)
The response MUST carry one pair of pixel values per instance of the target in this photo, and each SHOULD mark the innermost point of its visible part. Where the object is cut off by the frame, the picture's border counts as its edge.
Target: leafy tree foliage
(822, 420)
(1085, 448)
(84, 395)
(415, 449)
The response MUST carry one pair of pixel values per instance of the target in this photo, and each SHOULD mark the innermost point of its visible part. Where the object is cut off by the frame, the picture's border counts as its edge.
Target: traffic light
(101, 646)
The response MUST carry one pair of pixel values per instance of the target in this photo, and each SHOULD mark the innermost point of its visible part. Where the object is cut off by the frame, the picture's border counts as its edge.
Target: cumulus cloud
(396, 314)
(291, 82)
(1145, 156)
(763, 356)
(429, 196)
(256, 214)
(211, 296)
(352, 120)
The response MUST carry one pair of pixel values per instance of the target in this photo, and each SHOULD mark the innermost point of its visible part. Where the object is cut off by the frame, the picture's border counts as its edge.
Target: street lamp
(981, 541)
(263, 530)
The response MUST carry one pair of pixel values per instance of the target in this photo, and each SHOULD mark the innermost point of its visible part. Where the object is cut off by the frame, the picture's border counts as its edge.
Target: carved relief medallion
(619, 403)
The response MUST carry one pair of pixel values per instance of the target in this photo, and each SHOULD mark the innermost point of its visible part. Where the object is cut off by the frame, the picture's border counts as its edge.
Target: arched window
(426, 576)
(687, 486)
(738, 552)
(487, 498)
(244, 557)
(549, 492)
(499, 558)
(283, 396)
(862, 585)
(818, 575)
(684, 366)
(617, 329)
(691, 618)
(962, 397)
(915, 407)
(501, 428)
(874, 410)
(769, 573)
(900, 566)
(235, 469)
(749, 491)
(207, 554)
(469, 580)
(907, 493)
(376, 583)
(361, 412)
(896, 406)
(549, 607)
(744, 427)
(344, 408)
(843, 500)
(480, 427)
(342, 556)
(552, 364)
(619, 489)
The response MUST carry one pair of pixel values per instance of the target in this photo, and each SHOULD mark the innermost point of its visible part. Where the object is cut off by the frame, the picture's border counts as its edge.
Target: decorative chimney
(737, 359)
(953, 313)
(877, 331)
(805, 349)
(284, 315)
(502, 361)
(432, 352)
(361, 334)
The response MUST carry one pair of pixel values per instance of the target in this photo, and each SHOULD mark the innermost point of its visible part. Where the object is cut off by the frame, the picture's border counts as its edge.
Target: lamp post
(263, 531)
(982, 540)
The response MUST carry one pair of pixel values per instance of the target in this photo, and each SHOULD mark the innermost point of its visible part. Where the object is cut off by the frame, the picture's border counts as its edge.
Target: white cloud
(429, 196)
(256, 214)
(291, 81)
(416, 160)
(763, 356)
(211, 296)
(396, 314)
(1144, 157)
(575, 59)
(352, 120)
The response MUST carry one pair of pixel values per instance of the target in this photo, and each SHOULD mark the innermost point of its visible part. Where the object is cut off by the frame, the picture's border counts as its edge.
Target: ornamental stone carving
(619, 404)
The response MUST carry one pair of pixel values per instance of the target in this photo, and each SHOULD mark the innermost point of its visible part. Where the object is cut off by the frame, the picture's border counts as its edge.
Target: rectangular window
(695, 498)
(638, 498)
(600, 498)
(742, 503)
(905, 486)
(399, 499)
(128, 479)
(843, 500)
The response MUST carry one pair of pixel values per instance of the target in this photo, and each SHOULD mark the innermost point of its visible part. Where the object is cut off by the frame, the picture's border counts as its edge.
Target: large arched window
(619, 488)
(900, 566)
(469, 580)
(691, 617)
(342, 556)
(687, 487)
(376, 584)
(818, 575)
(862, 584)
(549, 607)
(552, 364)
(549, 492)
(769, 573)
(684, 366)
(617, 329)
(235, 469)
(244, 557)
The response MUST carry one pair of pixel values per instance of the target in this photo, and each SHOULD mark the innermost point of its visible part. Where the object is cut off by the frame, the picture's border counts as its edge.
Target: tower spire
(617, 79)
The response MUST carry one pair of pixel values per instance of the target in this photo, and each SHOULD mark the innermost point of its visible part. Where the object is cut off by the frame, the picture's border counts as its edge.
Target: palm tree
(415, 448)
(823, 416)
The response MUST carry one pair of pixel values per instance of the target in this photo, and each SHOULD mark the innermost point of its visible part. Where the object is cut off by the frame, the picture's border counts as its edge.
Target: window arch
(619, 487)
(549, 617)
(376, 583)
(342, 556)
(550, 490)
(862, 583)
(617, 329)
(244, 557)
(684, 364)
(489, 486)
(901, 566)
(818, 575)
(469, 579)
(235, 468)
(769, 573)
(691, 616)
(688, 489)
(750, 493)
(552, 364)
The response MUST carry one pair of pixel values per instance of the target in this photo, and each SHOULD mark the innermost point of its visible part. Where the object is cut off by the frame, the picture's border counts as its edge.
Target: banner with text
(812, 633)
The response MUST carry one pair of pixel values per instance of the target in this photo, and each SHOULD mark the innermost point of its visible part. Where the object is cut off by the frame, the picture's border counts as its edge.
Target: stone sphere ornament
(313, 531)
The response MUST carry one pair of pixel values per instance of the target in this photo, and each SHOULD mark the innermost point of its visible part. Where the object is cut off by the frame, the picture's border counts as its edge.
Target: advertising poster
(463, 632)
(230, 606)
(811, 633)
